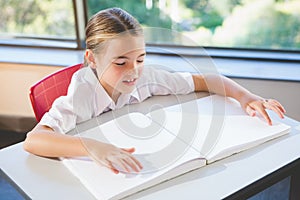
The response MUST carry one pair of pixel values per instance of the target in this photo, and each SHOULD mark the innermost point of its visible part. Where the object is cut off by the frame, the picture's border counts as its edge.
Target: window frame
(81, 18)
(223, 52)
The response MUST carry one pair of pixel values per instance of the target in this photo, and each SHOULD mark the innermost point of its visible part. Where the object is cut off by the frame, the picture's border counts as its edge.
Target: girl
(114, 76)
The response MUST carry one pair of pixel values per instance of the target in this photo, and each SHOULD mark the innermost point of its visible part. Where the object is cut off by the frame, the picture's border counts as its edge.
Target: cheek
(140, 70)
(113, 75)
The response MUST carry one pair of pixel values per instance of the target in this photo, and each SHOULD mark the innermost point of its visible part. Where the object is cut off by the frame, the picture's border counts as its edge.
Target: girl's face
(120, 64)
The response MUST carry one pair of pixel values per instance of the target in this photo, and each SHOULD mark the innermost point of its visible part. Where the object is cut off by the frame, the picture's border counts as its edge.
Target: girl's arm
(43, 141)
(251, 103)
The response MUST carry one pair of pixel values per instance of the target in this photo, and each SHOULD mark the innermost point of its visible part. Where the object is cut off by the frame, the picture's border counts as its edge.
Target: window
(259, 24)
(220, 24)
(38, 23)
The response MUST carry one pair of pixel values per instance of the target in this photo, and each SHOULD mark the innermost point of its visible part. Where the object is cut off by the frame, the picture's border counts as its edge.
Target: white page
(103, 184)
(192, 124)
(193, 121)
(243, 132)
(157, 152)
(217, 127)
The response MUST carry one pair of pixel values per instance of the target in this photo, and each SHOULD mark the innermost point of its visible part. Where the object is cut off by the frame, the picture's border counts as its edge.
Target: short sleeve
(61, 117)
(163, 82)
(75, 107)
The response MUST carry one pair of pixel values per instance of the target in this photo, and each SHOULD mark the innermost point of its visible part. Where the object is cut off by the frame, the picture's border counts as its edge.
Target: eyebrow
(125, 57)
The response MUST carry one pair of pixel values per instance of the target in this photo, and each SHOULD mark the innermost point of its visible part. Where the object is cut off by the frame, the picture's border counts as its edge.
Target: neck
(113, 93)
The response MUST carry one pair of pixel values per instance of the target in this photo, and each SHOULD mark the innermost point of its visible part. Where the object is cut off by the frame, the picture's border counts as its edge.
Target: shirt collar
(103, 100)
(128, 98)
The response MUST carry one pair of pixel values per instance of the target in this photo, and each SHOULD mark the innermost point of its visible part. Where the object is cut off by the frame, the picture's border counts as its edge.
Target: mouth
(130, 81)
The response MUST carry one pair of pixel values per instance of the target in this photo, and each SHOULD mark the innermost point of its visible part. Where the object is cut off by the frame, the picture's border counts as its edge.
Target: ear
(90, 58)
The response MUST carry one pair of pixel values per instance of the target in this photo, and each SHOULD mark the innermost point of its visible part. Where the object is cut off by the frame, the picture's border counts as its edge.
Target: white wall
(16, 113)
(288, 93)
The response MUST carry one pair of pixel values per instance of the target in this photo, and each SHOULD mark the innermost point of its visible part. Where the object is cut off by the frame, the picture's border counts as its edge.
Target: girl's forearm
(221, 85)
(51, 144)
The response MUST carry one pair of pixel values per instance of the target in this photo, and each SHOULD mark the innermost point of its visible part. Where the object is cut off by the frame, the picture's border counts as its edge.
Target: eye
(140, 61)
(120, 64)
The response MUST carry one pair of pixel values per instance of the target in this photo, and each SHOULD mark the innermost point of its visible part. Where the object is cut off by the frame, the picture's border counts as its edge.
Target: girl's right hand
(116, 159)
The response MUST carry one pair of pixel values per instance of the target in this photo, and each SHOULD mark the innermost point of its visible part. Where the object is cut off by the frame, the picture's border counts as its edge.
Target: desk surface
(44, 178)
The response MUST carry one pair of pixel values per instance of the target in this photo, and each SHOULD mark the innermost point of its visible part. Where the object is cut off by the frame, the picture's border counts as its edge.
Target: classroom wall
(15, 108)
(15, 80)
(287, 92)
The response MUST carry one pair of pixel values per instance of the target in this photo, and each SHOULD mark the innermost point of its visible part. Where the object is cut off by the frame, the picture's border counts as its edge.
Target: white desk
(44, 178)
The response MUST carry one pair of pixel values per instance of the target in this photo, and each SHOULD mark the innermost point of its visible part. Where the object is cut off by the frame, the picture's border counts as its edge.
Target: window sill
(238, 67)
(233, 53)
(39, 43)
(40, 56)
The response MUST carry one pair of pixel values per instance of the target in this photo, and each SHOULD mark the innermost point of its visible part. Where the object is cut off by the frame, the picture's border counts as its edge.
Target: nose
(134, 68)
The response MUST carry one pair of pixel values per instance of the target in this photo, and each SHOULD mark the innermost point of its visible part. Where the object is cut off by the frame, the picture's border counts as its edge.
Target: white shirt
(87, 98)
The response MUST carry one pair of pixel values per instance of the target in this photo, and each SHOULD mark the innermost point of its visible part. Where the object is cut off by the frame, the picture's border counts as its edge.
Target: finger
(132, 163)
(133, 158)
(125, 165)
(250, 111)
(136, 161)
(118, 162)
(107, 164)
(129, 150)
(275, 109)
(112, 168)
(274, 102)
(265, 115)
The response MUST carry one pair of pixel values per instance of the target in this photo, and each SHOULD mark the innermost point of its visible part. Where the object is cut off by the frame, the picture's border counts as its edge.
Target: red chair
(43, 93)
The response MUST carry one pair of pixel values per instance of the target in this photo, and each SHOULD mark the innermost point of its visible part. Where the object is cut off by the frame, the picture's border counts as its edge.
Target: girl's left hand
(255, 104)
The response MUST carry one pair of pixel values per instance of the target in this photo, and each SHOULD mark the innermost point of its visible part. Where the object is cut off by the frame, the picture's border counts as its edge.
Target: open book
(172, 141)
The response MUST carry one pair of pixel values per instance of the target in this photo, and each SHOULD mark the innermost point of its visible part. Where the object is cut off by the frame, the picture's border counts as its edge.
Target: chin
(127, 90)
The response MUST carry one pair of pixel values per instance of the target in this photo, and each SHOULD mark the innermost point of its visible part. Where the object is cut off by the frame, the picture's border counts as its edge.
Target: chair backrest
(43, 93)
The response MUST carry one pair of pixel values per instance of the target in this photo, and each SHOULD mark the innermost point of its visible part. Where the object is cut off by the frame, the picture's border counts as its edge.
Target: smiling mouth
(130, 81)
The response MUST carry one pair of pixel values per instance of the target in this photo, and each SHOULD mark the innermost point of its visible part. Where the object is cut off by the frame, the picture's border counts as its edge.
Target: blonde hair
(107, 24)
